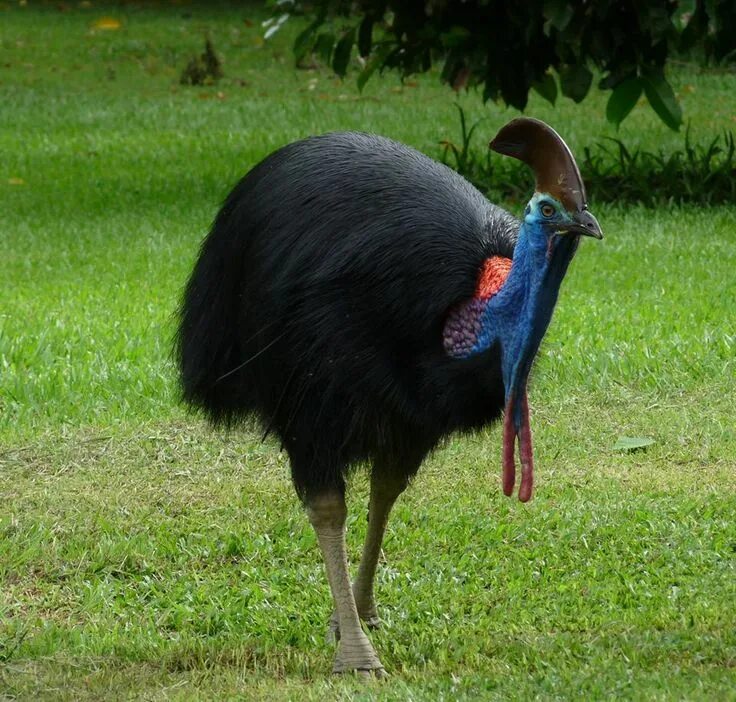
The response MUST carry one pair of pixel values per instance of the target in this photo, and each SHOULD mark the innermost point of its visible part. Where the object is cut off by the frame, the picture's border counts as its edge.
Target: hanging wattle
(518, 408)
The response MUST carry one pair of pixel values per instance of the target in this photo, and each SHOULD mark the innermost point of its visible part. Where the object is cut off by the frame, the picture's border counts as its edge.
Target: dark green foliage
(507, 47)
(343, 49)
(702, 173)
(575, 81)
(623, 99)
(662, 98)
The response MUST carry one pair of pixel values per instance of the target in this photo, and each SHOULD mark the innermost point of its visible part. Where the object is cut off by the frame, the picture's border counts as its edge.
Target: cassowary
(365, 301)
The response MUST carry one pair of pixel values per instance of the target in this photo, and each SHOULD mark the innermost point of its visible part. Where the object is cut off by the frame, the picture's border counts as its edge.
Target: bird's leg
(327, 513)
(384, 492)
(385, 488)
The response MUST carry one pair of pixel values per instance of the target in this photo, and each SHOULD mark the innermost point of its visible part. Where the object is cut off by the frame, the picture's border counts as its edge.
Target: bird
(363, 301)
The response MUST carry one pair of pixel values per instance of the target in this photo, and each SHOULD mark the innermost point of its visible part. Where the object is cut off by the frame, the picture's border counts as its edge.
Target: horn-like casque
(542, 148)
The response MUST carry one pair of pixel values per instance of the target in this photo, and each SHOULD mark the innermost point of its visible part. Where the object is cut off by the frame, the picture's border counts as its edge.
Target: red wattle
(525, 450)
(509, 449)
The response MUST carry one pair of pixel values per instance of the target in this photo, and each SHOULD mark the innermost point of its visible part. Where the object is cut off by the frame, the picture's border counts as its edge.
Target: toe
(372, 622)
(370, 675)
(332, 636)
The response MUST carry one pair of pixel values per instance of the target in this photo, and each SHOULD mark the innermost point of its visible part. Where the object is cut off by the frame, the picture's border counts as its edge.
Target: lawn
(144, 555)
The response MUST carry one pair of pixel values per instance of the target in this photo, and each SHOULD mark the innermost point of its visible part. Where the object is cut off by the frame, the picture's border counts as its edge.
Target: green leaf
(558, 12)
(547, 88)
(304, 42)
(684, 13)
(622, 100)
(629, 444)
(365, 36)
(453, 63)
(323, 46)
(341, 57)
(455, 36)
(366, 73)
(575, 80)
(375, 61)
(662, 99)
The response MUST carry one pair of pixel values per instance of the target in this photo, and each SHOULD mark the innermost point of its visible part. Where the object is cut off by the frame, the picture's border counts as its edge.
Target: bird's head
(559, 206)
(547, 219)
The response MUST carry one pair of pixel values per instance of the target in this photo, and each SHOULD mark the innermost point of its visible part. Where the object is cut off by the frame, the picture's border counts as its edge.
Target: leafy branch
(507, 48)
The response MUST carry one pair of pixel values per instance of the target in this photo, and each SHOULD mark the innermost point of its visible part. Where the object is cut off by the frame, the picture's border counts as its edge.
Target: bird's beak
(583, 223)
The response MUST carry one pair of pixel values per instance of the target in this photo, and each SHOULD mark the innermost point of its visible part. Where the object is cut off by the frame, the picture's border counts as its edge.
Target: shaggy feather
(319, 300)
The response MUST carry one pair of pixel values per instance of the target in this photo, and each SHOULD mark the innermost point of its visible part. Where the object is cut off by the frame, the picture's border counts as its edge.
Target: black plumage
(319, 299)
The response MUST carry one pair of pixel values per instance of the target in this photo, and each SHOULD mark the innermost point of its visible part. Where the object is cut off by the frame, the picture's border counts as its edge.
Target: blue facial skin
(517, 317)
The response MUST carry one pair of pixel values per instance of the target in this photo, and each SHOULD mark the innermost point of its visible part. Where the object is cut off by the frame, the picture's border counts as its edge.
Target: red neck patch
(492, 276)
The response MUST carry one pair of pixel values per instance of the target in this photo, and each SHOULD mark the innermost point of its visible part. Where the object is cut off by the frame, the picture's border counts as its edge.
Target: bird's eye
(547, 210)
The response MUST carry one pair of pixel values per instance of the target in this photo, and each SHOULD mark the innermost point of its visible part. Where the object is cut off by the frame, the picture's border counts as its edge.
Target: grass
(143, 555)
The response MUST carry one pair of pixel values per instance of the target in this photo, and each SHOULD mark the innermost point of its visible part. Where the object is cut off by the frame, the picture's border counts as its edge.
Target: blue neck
(520, 313)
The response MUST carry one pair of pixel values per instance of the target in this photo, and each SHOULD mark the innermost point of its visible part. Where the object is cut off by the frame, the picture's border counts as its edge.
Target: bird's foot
(358, 655)
(375, 674)
(367, 614)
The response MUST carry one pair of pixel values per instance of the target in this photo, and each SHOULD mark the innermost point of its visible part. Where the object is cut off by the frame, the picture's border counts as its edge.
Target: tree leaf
(366, 73)
(514, 87)
(629, 444)
(365, 36)
(575, 80)
(622, 100)
(662, 99)
(558, 12)
(341, 57)
(547, 88)
(323, 46)
(455, 36)
(304, 42)
(375, 61)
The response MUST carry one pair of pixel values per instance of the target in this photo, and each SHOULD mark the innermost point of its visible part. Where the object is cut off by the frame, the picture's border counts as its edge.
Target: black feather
(319, 299)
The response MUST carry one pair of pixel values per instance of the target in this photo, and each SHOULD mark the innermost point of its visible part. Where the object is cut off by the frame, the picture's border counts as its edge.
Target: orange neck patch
(492, 276)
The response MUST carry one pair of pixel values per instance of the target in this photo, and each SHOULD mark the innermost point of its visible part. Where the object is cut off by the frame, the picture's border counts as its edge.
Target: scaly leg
(385, 488)
(327, 513)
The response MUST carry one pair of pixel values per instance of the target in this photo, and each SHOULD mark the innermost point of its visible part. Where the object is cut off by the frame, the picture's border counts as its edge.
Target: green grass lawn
(143, 555)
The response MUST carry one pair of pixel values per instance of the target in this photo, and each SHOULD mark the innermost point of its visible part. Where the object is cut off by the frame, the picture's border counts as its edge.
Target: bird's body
(330, 327)
(364, 301)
